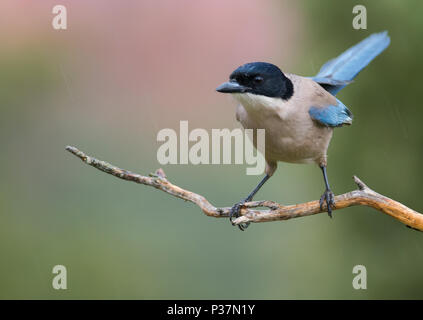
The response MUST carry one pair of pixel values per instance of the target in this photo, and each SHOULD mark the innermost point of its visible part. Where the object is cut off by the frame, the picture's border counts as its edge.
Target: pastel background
(126, 69)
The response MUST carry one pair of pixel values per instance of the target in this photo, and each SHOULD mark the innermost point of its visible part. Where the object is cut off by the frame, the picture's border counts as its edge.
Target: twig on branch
(362, 196)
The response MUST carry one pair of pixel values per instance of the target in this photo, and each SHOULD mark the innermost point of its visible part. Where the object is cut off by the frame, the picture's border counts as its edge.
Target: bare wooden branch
(362, 196)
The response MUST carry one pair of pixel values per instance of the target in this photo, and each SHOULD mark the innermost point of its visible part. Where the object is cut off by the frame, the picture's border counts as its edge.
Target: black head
(259, 78)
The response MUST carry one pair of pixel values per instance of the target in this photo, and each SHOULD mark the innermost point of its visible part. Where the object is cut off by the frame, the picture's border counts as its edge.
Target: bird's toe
(329, 198)
(235, 213)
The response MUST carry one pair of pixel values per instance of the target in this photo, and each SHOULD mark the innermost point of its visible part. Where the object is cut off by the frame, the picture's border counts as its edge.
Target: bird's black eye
(258, 79)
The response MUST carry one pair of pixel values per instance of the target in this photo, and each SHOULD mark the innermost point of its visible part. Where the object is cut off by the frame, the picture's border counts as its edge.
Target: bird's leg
(328, 195)
(237, 207)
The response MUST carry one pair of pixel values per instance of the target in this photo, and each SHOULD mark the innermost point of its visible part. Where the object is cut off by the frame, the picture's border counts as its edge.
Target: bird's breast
(291, 135)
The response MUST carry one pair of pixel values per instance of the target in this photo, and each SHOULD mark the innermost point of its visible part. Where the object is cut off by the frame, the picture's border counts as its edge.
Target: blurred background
(121, 72)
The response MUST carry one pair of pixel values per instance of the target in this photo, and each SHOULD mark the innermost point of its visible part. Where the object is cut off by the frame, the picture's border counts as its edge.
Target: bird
(298, 114)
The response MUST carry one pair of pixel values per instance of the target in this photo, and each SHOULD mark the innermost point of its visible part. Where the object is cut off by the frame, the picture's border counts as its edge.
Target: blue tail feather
(338, 72)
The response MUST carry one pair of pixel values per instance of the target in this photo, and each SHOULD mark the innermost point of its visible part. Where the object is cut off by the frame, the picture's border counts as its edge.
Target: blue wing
(338, 72)
(331, 116)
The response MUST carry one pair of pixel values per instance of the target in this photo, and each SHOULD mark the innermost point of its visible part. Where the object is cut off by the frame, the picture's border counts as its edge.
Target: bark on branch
(362, 196)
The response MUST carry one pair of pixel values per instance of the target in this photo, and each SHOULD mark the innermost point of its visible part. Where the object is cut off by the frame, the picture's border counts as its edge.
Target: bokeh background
(123, 71)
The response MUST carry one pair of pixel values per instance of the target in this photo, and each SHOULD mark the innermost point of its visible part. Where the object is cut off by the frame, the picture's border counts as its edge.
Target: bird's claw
(329, 198)
(235, 210)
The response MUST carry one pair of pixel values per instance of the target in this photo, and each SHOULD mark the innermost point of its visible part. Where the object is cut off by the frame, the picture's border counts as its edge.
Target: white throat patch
(255, 102)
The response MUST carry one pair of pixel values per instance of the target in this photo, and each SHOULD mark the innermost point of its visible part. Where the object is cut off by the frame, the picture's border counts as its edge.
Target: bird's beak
(231, 87)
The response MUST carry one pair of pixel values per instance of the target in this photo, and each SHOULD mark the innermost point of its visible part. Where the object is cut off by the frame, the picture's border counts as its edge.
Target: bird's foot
(329, 198)
(235, 210)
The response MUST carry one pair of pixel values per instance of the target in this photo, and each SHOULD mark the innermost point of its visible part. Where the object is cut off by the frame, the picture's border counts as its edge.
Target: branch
(362, 196)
